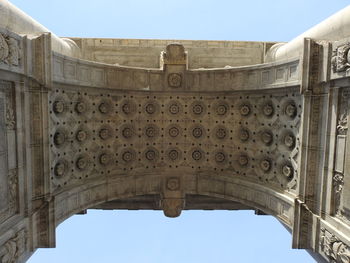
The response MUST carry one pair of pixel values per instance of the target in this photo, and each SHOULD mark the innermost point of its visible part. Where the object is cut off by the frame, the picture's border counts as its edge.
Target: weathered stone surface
(173, 126)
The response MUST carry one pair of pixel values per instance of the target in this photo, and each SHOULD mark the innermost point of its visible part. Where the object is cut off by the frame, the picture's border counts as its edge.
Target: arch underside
(204, 192)
(181, 137)
(165, 133)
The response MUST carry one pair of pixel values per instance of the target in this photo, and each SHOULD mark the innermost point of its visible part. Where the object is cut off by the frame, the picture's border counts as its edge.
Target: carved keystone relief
(9, 50)
(334, 248)
(14, 248)
(174, 62)
(149, 132)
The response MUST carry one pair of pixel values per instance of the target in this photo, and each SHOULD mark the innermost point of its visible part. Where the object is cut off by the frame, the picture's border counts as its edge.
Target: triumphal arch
(174, 125)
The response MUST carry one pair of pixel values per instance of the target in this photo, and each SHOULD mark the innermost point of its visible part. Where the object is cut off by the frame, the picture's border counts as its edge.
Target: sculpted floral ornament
(9, 50)
(333, 248)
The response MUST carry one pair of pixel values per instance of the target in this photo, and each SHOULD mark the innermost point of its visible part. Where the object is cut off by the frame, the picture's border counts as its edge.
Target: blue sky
(196, 236)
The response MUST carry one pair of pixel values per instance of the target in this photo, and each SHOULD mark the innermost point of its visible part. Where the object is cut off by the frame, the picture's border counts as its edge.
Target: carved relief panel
(341, 193)
(8, 155)
(14, 248)
(10, 49)
(333, 248)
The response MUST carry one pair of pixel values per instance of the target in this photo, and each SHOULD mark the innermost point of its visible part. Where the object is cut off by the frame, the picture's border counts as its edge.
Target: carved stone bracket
(334, 248)
(172, 207)
(9, 50)
(14, 248)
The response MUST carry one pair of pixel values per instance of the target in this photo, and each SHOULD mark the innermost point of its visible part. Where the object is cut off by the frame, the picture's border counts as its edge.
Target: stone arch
(78, 133)
(98, 192)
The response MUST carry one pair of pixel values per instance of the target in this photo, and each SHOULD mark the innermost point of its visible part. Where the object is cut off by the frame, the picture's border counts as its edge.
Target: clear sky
(196, 236)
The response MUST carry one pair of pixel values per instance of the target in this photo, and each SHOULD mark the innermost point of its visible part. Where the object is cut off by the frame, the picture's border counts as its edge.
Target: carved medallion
(287, 171)
(220, 157)
(267, 138)
(81, 136)
(173, 184)
(104, 134)
(59, 138)
(174, 132)
(58, 107)
(243, 160)
(128, 132)
(244, 135)
(128, 156)
(60, 169)
(174, 108)
(221, 109)
(103, 108)
(197, 155)
(173, 155)
(150, 108)
(291, 110)
(151, 131)
(80, 107)
(268, 110)
(81, 163)
(221, 133)
(245, 110)
(197, 132)
(105, 159)
(174, 80)
(128, 107)
(289, 140)
(265, 165)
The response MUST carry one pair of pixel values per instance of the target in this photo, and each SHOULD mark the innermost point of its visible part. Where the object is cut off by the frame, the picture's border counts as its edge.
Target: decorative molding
(336, 250)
